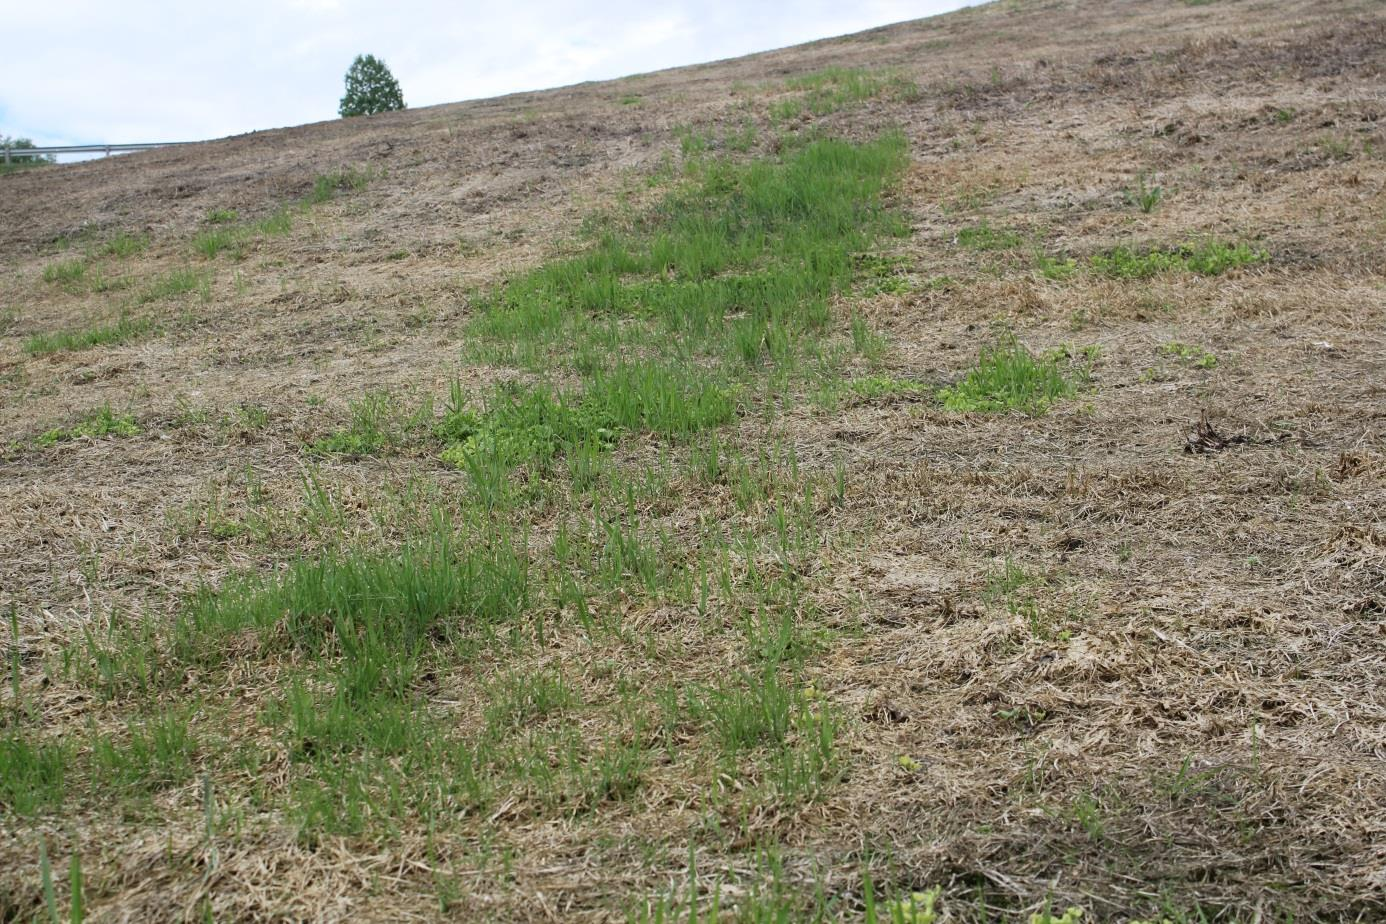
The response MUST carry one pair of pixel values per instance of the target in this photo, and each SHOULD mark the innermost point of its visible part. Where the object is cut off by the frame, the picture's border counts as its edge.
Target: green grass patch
(1208, 258)
(98, 423)
(222, 216)
(213, 241)
(520, 426)
(276, 224)
(32, 776)
(374, 428)
(177, 282)
(123, 330)
(835, 88)
(1189, 354)
(738, 264)
(70, 274)
(985, 237)
(362, 744)
(1056, 268)
(327, 185)
(156, 753)
(375, 611)
(1008, 377)
(873, 387)
(668, 319)
(125, 245)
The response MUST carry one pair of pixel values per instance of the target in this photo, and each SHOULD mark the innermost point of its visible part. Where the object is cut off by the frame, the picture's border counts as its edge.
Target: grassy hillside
(936, 474)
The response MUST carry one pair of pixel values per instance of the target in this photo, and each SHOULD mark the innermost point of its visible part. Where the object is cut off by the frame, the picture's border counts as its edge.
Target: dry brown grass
(1183, 705)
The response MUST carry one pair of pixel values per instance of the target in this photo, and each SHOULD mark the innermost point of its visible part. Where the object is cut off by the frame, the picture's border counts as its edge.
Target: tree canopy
(370, 88)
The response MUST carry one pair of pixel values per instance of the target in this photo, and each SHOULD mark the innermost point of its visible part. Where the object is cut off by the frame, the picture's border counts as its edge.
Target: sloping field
(935, 474)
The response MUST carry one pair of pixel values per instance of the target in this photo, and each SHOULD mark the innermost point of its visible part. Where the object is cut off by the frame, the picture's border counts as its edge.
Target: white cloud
(157, 70)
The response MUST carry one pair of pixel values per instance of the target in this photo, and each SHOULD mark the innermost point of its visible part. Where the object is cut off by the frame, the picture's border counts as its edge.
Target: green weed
(1144, 196)
(1189, 354)
(373, 429)
(1009, 377)
(1073, 914)
(520, 426)
(1056, 268)
(985, 237)
(914, 908)
(101, 422)
(884, 274)
(1209, 258)
(874, 387)
(222, 216)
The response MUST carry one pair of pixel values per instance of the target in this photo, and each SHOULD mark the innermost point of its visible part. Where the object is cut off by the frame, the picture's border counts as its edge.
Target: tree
(22, 144)
(370, 88)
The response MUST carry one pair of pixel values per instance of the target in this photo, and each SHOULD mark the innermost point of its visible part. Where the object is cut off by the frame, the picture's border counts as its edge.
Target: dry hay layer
(1124, 652)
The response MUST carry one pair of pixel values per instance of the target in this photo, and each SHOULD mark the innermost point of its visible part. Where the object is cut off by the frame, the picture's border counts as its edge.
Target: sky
(94, 71)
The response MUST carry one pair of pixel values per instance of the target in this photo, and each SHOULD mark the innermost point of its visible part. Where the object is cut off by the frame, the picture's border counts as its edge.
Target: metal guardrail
(106, 149)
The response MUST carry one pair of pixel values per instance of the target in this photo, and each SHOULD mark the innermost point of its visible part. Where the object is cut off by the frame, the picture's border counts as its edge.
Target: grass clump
(663, 399)
(70, 274)
(154, 754)
(102, 335)
(1144, 196)
(361, 741)
(1008, 377)
(98, 423)
(1209, 258)
(125, 245)
(373, 429)
(32, 776)
(374, 612)
(213, 241)
(276, 224)
(327, 185)
(222, 216)
(177, 282)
